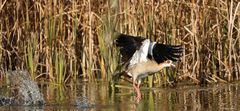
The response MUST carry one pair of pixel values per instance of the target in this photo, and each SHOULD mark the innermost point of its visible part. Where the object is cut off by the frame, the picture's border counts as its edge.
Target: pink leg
(137, 90)
(138, 93)
(135, 87)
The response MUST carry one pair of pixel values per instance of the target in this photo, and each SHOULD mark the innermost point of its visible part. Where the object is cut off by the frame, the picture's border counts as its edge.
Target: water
(96, 96)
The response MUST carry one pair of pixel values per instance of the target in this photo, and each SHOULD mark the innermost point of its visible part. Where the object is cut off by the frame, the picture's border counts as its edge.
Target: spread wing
(162, 52)
(138, 49)
(133, 49)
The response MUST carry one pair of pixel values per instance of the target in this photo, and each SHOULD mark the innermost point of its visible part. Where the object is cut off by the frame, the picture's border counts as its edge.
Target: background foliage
(60, 40)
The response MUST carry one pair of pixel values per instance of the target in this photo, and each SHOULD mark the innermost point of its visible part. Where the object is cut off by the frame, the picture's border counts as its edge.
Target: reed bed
(61, 40)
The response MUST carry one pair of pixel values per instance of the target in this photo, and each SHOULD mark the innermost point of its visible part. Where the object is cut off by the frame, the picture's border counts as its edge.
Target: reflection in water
(97, 97)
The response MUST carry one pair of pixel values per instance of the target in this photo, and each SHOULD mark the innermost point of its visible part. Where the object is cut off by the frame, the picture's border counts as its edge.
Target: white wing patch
(150, 49)
(141, 54)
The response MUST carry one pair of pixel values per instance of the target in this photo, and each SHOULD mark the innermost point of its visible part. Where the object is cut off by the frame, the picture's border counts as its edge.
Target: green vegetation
(61, 40)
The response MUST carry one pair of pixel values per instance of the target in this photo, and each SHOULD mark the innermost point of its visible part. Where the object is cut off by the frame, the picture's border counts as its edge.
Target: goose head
(168, 63)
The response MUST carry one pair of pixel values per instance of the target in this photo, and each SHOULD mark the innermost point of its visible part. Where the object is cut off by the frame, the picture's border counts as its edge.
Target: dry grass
(60, 40)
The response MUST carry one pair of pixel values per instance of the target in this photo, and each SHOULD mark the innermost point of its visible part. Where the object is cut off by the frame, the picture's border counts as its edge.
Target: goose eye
(169, 61)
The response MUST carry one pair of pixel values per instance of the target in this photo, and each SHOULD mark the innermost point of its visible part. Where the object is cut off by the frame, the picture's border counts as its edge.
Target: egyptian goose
(141, 58)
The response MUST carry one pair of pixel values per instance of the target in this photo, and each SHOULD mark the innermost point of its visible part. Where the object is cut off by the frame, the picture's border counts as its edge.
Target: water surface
(96, 96)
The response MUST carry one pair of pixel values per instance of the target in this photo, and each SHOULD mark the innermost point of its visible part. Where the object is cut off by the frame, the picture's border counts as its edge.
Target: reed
(60, 67)
(30, 61)
(63, 40)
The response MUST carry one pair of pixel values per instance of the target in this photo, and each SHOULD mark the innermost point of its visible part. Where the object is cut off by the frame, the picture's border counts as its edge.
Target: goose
(140, 57)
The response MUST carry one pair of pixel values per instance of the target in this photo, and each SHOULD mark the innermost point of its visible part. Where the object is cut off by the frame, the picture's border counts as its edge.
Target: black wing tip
(176, 51)
(163, 52)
